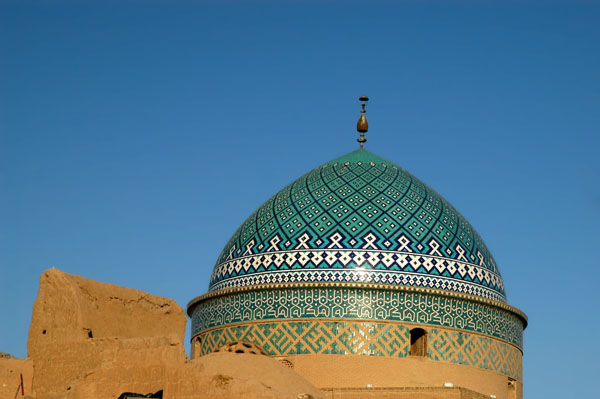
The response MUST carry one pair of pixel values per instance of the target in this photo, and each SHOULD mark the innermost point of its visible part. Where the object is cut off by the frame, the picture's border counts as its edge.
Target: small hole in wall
(287, 363)
(44, 332)
(90, 335)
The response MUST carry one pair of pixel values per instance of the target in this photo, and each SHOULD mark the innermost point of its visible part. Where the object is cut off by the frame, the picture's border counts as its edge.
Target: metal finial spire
(362, 126)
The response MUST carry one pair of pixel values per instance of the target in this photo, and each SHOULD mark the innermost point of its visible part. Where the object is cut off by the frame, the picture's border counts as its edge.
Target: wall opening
(418, 342)
(512, 388)
(242, 347)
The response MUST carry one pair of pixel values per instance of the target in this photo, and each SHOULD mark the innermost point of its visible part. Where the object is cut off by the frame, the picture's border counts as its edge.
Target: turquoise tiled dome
(359, 218)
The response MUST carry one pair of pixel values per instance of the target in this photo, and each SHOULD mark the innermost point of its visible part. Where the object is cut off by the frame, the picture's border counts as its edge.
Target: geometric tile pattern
(474, 350)
(359, 214)
(305, 337)
(382, 267)
(362, 338)
(375, 305)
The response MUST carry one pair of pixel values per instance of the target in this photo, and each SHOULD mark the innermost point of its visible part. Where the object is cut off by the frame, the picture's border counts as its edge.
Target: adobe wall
(11, 370)
(215, 376)
(403, 393)
(105, 367)
(355, 371)
(233, 376)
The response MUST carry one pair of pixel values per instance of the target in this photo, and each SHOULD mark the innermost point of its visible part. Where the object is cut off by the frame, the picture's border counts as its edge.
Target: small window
(418, 342)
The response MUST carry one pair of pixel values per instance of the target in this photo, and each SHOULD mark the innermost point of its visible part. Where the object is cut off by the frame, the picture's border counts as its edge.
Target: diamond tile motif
(335, 215)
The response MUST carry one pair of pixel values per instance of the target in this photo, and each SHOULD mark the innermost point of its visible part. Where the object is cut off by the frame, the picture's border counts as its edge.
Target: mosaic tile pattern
(375, 339)
(364, 275)
(355, 215)
(323, 337)
(474, 350)
(355, 303)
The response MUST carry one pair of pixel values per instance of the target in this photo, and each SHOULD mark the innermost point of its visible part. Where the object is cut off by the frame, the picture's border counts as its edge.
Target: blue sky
(136, 136)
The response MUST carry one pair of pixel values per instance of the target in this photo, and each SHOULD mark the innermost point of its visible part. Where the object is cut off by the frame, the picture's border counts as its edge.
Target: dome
(358, 265)
(359, 218)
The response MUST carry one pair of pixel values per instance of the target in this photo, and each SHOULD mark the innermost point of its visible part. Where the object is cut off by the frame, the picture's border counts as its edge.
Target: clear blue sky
(136, 136)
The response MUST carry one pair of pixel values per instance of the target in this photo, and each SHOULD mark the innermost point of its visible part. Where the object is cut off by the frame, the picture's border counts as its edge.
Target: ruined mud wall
(72, 308)
(81, 327)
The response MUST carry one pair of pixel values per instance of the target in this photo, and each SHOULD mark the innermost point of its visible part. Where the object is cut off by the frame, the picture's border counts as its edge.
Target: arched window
(418, 342)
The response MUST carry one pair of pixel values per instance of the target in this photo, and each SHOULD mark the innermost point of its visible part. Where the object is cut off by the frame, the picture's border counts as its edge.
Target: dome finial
(362, 126)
